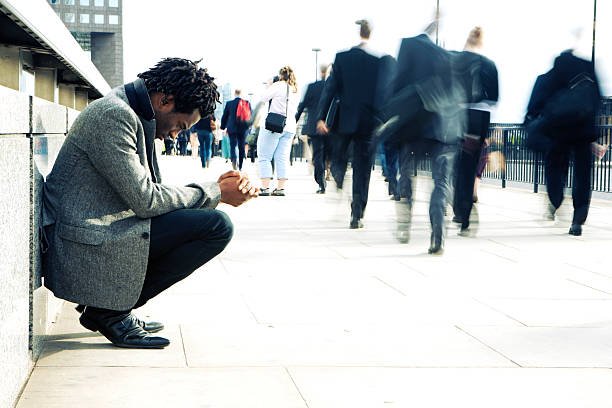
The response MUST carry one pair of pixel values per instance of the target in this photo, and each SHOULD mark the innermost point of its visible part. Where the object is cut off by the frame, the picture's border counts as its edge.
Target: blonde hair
(286, 74)
(474, 39)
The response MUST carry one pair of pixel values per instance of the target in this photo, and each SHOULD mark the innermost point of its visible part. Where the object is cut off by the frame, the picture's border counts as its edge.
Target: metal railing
(511, 161)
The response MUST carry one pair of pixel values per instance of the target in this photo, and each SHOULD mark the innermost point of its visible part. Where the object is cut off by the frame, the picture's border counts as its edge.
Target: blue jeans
(275, 146)
(205, 140)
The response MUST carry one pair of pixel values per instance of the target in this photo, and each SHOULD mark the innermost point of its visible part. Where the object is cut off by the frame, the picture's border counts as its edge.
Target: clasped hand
(236, 188)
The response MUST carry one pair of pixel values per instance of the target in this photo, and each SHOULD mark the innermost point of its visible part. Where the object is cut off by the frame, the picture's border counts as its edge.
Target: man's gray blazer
(98, 201)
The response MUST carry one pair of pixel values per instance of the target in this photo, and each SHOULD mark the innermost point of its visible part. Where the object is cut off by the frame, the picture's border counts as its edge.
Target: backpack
(577, 103)
(243, 111)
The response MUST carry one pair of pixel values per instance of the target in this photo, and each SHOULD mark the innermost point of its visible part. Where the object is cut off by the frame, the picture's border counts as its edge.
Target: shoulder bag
(275, 122)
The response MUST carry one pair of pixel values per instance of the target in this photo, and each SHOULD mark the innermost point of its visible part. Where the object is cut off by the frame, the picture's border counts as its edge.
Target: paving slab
(103, 387)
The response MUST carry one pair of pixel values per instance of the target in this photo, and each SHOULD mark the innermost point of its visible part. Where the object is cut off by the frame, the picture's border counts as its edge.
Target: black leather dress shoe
(575, 230)
(321, 191)
(436, 246)
(123, 330)
(355, 223)
(151, 327)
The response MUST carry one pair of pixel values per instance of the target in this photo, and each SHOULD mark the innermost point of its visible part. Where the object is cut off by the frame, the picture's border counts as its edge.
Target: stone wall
(32, 131)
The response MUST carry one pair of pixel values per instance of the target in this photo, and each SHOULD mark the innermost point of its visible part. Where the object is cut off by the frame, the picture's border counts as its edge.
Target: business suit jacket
(228, 119)
(310, 103)
(360, 79)
(99, 198)
(425, 68)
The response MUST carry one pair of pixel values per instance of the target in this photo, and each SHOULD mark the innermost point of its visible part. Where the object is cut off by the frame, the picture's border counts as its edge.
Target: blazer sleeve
(115, 157)
(303, 103)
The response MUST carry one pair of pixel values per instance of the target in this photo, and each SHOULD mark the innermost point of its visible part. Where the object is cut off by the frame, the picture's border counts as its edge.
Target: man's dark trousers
(465, 177)
(237, 140)
(442, 161)
(181, 242)
(557, 163)
(362, 167)
(320, 151)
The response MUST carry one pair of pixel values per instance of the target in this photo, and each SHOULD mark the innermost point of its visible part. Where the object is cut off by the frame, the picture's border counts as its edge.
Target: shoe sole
(140, 347)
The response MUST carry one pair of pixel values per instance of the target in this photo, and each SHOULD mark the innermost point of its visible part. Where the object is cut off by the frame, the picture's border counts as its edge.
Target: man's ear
(165, 103)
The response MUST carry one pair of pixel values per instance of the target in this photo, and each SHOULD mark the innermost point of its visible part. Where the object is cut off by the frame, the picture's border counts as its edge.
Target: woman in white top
(282, 98)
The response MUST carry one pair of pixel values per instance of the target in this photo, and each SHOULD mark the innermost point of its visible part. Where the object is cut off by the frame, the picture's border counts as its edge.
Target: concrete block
(15, 269)
(48, 117)
(15, 112)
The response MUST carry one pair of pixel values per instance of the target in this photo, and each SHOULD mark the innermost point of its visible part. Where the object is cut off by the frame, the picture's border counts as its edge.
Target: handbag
(275, 122)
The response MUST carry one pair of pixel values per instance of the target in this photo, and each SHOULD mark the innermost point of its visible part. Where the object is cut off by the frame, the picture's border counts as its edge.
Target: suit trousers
(320, 152)
(465, 176)
(181, 242)
(442, 160)
(237, 140)
(557, 163)
(362, 167)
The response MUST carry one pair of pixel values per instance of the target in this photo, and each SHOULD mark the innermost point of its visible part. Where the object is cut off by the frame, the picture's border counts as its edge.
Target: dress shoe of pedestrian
(151, 327)
(356, 223)
(457, 219)
(403, 237)
(436, 246)
(122, 330)
(549, 214)
(321, 191)
(575, 230)
(264, 192)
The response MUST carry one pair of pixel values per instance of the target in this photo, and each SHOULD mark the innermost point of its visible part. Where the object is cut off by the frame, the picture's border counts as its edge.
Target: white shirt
(277, 93)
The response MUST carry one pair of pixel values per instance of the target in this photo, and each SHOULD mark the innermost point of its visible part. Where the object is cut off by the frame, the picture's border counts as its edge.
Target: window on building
(69, 2)
(84, 2)
(69, 17)
(84, 18)
(113, 19)
(99, 19)
(113, 3)
(99, 3)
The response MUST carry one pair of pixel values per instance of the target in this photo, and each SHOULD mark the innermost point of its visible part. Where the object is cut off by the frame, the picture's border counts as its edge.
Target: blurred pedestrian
(565, 102)
(236, 126)
(478, 77)
(204, 129)
(359, 80)
(320, 143)
(423, 117)
(275, 138)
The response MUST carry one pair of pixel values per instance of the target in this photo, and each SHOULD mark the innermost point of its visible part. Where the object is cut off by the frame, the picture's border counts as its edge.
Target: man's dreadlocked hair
(191, 86)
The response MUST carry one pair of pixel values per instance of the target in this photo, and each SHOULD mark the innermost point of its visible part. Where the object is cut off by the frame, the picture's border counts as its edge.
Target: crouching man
(114, 235)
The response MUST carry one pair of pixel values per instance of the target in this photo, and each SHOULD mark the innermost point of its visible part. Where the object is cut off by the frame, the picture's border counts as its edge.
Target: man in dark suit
(359, 80)
(236, 130)
(427, 103)
(320, 143)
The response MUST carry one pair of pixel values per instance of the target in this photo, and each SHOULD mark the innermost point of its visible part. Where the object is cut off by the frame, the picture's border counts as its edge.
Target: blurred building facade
(97, 25)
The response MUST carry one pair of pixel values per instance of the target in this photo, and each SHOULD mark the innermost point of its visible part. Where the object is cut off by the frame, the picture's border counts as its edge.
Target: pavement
(300, 311)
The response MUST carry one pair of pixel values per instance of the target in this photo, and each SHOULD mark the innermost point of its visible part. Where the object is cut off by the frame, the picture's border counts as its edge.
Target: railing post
(536, 171)
(504, 155)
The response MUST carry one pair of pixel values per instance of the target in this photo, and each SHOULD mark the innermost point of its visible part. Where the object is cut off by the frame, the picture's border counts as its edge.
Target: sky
(245, 43)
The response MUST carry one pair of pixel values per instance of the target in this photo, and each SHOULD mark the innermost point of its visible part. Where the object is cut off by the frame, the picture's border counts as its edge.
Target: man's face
(170, 123)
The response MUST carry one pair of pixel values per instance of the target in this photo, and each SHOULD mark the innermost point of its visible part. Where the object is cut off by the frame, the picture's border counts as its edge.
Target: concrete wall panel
(15, 357)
